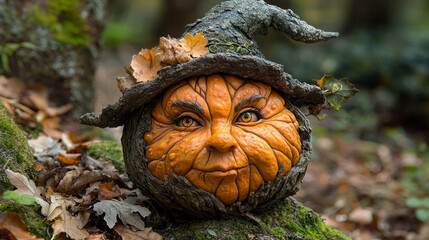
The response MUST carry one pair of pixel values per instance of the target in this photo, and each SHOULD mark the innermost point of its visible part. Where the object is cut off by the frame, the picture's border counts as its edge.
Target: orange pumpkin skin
(224, 134)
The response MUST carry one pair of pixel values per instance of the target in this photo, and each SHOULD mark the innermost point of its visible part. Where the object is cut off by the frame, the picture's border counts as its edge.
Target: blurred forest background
(370, 172)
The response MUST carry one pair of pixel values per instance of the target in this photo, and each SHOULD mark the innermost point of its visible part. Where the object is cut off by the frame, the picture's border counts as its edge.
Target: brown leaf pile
(147, 63)
(30, 106)
(77, 192)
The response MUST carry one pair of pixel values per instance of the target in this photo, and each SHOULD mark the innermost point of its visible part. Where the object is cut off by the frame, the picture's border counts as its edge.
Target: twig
(18, 105)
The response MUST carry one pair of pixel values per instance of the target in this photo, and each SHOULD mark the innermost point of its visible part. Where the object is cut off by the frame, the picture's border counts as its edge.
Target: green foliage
(62, 18)
(116, 33)
(111, 151)
(8, 49)
(416, 182)
(21, 199)
(421, 206)
(30, 215)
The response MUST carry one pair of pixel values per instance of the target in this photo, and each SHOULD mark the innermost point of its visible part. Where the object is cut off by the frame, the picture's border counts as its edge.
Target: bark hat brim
(227, 25)
(247, 67)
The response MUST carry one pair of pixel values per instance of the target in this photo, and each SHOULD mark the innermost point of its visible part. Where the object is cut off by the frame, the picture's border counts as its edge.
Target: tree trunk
(64, 44)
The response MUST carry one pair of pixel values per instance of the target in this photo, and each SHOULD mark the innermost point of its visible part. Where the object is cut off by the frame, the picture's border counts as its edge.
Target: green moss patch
(288, 219)
(111, 151)
(15, 154)
(62, 18)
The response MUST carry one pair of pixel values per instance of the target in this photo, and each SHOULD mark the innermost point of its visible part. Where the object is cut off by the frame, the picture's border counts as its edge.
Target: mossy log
(59, 42)
(288, 219)
(15, 154)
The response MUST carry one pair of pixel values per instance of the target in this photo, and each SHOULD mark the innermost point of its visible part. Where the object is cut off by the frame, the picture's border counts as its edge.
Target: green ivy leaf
(413, 202)
(336, 91)
(211, 232)
(422, 214)
(21, 199)
(321, 116)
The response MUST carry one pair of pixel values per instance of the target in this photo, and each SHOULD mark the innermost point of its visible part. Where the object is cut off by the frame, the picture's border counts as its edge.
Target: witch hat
(230, 28)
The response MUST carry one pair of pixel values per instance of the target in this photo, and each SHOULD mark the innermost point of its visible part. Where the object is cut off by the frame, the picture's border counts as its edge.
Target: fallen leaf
(128, 234)
(77, 180)
(108, 191)
(71, 225)
(196, 46)
(146, 65)
(46, 146)
(172, 52)
(96, 237)
(127, 213)
(39, 101)
(12, 227)
(11, 88)
(361, 216)
(55, 111)
(70, 158)
(27, 188)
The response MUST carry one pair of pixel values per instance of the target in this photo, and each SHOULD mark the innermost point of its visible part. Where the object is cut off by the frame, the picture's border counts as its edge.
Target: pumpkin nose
(221, 142)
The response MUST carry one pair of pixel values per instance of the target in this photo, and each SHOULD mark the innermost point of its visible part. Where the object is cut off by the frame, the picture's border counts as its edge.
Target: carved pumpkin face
(224, 134)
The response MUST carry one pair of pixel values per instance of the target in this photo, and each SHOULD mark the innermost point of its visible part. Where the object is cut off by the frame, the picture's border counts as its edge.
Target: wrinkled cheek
(182, 156)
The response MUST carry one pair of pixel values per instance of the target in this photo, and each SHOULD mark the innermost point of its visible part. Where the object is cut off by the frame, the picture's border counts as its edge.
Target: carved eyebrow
(188, 104)
(248, 100)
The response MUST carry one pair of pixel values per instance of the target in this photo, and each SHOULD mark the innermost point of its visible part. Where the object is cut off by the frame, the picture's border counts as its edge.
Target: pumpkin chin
(199, 132)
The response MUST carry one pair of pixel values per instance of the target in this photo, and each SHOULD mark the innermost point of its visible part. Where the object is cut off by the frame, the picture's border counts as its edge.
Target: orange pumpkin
(224, 134)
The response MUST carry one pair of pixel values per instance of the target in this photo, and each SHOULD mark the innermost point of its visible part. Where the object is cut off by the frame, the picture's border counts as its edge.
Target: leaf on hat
(172, 51)
(146, 65)
(195, 45)
(125, 83)
(336, 91)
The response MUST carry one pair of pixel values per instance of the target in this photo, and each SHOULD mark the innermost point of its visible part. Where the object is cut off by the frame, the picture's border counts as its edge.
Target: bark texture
(65, 35)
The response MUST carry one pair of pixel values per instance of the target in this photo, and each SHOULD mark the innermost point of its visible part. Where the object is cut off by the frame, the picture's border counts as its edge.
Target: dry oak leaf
(70, 158)
(128, 234)
(71, 225)
(196, 46)
(146, 65)
(129, 214)
(172, 52)
(12, 227)
(108, 191)
(76, 180)
(27, 188)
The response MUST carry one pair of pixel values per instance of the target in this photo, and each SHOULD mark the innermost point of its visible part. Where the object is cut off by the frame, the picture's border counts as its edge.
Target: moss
(30, 216)
(110, 151)
(288, 219)
(62, 18)
(15, 154)
(302, 222)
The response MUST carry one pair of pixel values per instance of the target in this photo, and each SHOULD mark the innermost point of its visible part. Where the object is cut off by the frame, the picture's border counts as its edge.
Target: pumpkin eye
(248, 117)
(187, 122)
